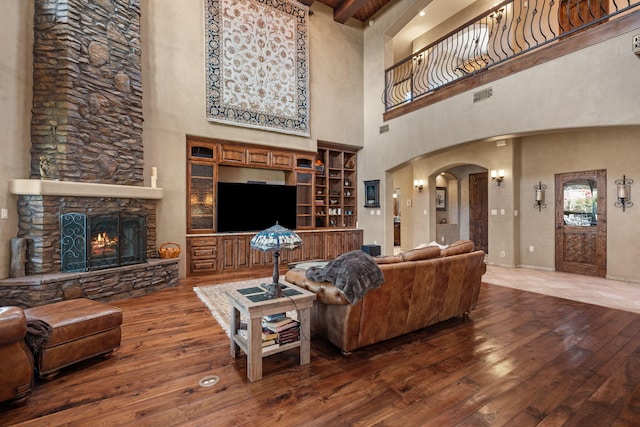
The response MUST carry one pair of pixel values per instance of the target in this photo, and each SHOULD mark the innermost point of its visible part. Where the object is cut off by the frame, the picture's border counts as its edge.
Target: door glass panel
(580, 203)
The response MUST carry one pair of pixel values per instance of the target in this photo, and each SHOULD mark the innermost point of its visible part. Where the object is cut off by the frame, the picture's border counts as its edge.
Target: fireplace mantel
(43, 187)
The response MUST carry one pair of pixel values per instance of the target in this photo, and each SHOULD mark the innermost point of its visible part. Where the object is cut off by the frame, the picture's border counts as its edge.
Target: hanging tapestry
(257, 64)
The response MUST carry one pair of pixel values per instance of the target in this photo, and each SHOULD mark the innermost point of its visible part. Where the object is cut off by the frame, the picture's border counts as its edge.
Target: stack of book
(286, 329)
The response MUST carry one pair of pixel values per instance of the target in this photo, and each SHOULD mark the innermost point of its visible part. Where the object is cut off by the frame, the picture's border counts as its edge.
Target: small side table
(248, 301)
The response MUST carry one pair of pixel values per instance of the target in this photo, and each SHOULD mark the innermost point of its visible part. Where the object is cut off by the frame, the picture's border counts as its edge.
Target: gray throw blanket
(355, 273)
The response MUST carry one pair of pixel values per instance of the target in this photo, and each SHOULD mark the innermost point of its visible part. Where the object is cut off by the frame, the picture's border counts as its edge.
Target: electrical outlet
(4, 213)
(503, 254)
(531, 248)
(636, 44)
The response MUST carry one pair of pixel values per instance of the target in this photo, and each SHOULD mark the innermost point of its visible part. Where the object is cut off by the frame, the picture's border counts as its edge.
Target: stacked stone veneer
(86, 127)
(87, 91)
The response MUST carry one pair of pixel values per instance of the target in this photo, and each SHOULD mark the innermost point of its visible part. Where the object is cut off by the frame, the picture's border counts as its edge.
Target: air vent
(482, 94)
(384, 128)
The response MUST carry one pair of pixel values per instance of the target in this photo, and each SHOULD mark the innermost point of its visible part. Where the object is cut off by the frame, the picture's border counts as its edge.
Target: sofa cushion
(388, 259)
(428, 252)
(459, 247)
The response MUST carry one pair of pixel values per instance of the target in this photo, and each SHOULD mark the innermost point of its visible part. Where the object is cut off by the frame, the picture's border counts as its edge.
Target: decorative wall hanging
(372, 194)
(441, 198)
(257, 64)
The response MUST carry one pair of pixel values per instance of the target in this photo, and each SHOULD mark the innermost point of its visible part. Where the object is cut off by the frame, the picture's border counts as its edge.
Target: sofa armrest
(13, 325)
(326, 292)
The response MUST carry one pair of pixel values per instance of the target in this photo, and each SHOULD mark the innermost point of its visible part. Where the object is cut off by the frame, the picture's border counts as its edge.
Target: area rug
(257, 64)
(215, 298)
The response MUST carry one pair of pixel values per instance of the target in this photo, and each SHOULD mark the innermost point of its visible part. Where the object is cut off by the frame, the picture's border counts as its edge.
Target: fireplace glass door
(102, 241)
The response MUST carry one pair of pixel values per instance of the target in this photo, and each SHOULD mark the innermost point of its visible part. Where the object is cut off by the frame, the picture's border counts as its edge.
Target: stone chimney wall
(87, 97)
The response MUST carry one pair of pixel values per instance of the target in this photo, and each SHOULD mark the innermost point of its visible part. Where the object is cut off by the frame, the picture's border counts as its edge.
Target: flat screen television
(255, 206)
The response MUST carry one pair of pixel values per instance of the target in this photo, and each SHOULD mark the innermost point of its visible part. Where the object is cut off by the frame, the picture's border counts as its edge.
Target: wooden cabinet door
(333, 244)
(258, 158)
(232, 155)
(312, 246)
(201, 182)
(353, 240)
(234, 252)
(281, 160)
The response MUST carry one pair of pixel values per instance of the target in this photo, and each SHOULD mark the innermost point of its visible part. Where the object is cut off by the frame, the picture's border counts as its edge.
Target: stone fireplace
(86, 157)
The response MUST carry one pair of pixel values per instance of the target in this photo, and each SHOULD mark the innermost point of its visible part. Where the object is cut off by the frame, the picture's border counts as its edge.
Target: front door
(581, 223)
(478, 211)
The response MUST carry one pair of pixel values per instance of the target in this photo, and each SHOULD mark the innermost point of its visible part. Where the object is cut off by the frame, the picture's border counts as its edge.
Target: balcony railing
(509, 30)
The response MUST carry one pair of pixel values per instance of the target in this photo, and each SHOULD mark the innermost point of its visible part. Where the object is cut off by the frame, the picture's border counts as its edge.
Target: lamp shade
(275, 238)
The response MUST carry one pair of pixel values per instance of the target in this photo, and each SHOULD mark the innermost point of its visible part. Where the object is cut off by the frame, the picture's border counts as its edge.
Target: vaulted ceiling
(362, 10)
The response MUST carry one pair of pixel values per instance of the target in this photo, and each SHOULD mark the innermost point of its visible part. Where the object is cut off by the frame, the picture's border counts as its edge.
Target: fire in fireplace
(102, 241)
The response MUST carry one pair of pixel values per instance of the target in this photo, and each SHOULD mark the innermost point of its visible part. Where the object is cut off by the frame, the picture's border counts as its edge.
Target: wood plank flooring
(523, 359)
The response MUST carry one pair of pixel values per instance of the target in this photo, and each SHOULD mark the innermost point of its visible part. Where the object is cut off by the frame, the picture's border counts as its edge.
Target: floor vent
(482, 94)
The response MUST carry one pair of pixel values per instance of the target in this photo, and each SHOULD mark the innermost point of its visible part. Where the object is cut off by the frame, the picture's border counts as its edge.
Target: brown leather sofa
(16, 360)
(422, 287)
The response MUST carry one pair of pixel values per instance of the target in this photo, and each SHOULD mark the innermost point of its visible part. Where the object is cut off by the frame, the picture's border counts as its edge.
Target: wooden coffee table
(250, 302)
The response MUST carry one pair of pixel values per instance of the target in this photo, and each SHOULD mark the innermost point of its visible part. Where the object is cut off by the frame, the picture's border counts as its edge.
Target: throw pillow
(459, 247)
(421, 254)
(387, 259)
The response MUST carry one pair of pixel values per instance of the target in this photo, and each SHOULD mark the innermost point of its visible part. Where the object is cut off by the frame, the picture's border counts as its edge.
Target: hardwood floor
(523, 359)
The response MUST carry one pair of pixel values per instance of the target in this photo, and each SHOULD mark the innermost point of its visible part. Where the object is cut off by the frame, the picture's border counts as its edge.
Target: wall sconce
(540, 190)
(419, 184)
(498, 176)
(624, 193)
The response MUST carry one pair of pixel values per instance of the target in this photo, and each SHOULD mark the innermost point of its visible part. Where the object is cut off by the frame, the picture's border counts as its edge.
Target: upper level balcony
(511, 37)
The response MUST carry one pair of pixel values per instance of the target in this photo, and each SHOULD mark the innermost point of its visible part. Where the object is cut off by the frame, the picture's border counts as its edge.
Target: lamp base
(274, 290)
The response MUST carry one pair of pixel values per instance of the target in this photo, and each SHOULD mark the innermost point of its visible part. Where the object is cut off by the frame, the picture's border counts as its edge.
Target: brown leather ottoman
(82, 328)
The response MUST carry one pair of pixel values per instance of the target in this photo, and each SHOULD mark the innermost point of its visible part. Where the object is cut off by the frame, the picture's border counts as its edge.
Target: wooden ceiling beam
(347, 9)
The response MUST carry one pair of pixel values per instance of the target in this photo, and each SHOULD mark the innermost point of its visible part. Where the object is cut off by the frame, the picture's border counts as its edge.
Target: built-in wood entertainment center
(326, 202)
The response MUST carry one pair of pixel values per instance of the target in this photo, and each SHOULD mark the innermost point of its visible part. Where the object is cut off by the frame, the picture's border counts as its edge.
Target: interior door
(479, 210)
(581, 223)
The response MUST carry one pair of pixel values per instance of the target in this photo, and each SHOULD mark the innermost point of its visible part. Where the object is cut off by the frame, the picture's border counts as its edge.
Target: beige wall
(16, 33)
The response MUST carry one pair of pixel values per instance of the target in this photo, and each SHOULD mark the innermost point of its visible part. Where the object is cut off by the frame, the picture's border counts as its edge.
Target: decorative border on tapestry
(257, 64)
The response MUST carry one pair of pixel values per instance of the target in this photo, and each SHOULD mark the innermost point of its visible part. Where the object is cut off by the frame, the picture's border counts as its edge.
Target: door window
(581, 203)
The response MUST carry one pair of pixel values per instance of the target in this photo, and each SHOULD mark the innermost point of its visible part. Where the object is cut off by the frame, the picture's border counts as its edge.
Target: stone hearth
(102, 285)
